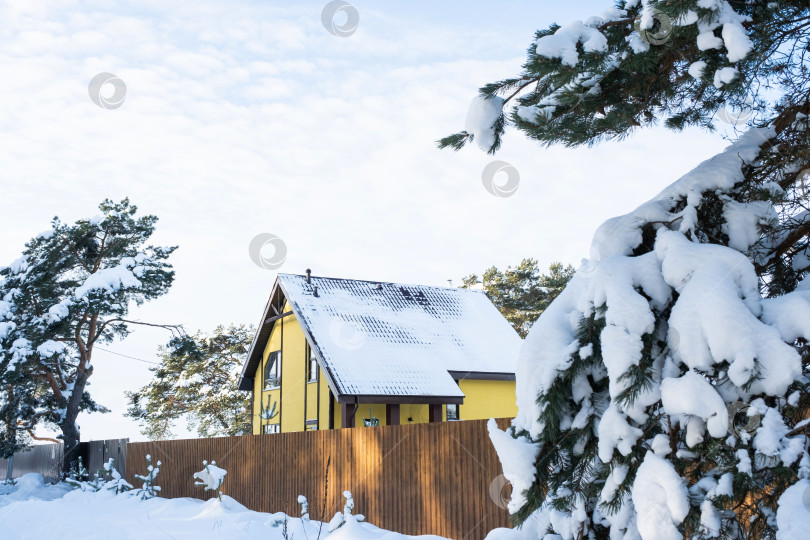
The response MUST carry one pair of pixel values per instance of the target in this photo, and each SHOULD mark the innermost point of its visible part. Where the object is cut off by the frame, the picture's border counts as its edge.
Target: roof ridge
(377, 282)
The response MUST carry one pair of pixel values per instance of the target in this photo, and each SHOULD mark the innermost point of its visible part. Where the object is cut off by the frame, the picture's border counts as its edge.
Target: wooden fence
(96, 453)
(46, 459)
(443, 478)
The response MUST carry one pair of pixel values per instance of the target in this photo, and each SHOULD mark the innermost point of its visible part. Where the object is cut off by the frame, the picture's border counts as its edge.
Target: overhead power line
(127, 356)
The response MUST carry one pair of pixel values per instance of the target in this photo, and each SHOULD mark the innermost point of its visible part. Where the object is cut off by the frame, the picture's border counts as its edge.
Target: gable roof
(381, 340)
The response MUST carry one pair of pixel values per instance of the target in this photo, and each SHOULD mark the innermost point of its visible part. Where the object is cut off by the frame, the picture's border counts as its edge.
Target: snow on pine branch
(113, 279)
(558, 94)
(211, 477)
(482, 118)
(621, 235)
(660, 498)
(563, 43)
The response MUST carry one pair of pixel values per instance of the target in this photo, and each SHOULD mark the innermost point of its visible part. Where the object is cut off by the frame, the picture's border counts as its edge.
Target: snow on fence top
(394, 339)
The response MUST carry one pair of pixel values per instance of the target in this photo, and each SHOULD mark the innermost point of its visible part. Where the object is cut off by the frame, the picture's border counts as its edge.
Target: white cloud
(243, 117)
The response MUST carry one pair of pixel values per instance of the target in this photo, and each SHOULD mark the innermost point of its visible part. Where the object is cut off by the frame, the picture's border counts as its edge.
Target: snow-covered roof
(391, 339)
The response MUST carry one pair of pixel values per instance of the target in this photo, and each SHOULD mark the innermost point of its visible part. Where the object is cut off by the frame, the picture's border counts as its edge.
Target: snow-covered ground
(33, 509)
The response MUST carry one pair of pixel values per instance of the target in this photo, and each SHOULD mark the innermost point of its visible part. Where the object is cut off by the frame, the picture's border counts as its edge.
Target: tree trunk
(70, 431)
(72, 448)
(9, 468)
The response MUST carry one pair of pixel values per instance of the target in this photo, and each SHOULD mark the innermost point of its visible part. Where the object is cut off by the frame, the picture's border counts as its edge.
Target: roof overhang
(482, 375)
(372, 399)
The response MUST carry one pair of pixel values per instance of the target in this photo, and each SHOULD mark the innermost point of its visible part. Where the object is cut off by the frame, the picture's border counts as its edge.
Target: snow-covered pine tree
(71, 290)
(78, 476)
(18, 396)
(148, 489)
(114, 481)
(302, 500)
(663, 394)
(17, 404)
(197, 380)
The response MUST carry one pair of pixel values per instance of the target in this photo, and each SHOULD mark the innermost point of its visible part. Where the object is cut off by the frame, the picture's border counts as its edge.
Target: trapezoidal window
(272, 375)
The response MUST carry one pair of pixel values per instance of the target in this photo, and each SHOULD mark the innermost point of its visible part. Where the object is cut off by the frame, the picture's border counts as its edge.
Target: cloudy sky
(249, 117)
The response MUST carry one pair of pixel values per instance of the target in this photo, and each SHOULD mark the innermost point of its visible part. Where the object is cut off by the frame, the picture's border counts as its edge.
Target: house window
(271, 428)
(312, 368)
(452, 412)
(272, 377)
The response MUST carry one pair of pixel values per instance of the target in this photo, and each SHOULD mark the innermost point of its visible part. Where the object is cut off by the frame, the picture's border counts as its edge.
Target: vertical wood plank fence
(96, 453)
(443, 478)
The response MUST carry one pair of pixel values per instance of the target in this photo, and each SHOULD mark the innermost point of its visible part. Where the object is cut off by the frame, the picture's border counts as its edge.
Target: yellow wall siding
(413, 414)
(376, 410)
(257, 422)
(293, 376)
(290, 396)
(487, 399)
(269, 397)
(312, 403)
(323, 414)
(336, 417)
(419, 413)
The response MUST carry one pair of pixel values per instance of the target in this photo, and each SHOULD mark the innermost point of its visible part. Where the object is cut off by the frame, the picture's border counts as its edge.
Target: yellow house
(331, 353)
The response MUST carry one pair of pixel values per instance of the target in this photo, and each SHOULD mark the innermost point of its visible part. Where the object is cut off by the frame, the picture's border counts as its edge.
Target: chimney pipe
(309, 274)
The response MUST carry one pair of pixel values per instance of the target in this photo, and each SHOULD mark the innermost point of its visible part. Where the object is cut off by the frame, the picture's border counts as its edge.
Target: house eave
(482, 375)
(373, 399)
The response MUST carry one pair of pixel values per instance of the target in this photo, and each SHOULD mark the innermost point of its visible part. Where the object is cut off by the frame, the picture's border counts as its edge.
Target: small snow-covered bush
(149, 489)
(108, 479)
(114, 482)
(304, 507)
(77, 475)
(349, 506)
(340, 519)
(211, 477)
(79, 478)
